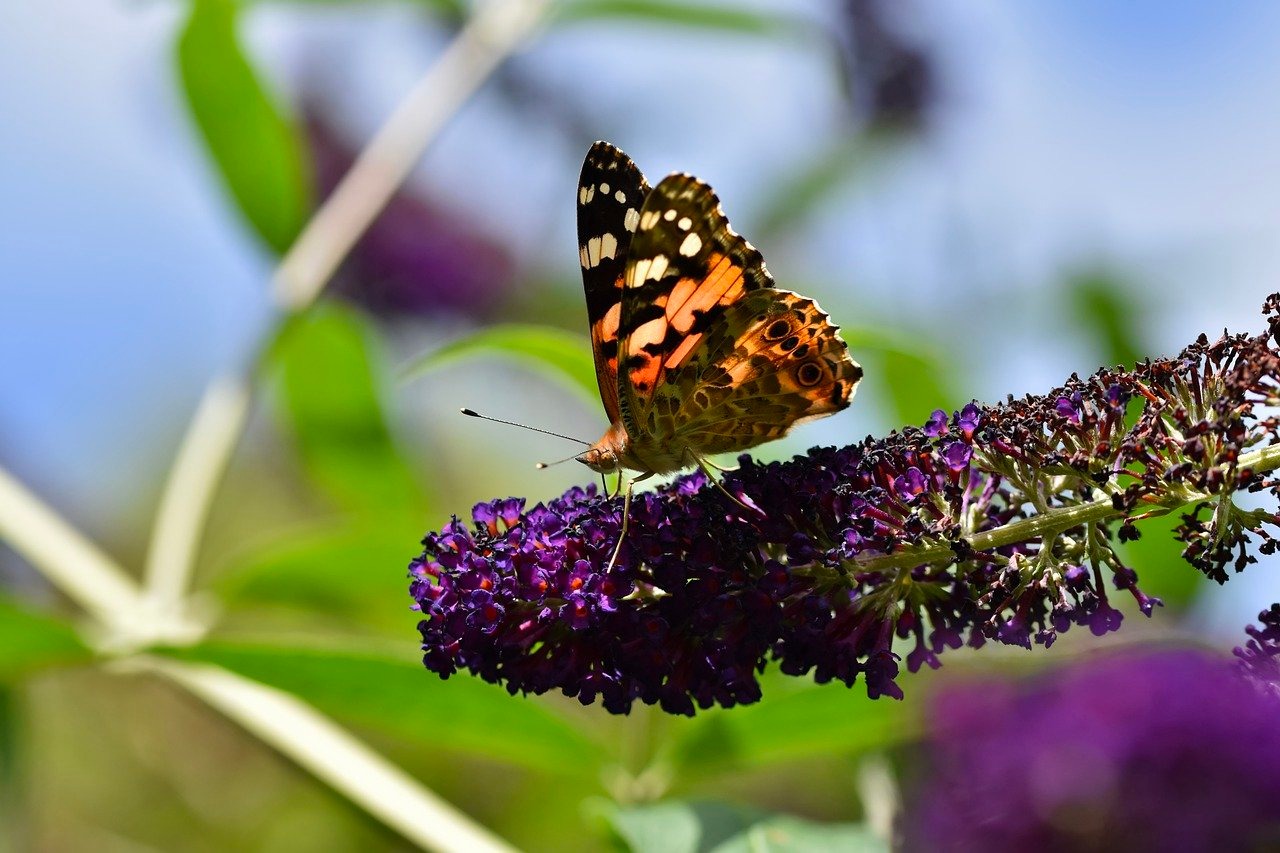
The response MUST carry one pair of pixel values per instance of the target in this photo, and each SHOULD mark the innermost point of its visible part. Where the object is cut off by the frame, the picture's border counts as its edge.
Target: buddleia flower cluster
(1153, 749)
(991, 524)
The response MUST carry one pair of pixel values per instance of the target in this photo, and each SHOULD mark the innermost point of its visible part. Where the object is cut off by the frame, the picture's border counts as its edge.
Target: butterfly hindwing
(684, 268)
(773, 361)
(611, 194)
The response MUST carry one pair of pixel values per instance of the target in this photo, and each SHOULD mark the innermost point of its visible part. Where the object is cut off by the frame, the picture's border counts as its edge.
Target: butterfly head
(606, 455)
(600, 459)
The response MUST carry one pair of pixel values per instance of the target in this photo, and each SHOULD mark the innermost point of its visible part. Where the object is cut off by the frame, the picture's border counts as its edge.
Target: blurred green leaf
(707, 827)
(350, 574)
(696, 15)
(1157, 558)
(820, 177)
(678, 826)
(793, 723)
(1101, 305)
(911, 375)
(257, 149)
(452, 11)
(32, 641)
(793, 834)
(394, 694)
(560, 354)
(332, 380)
(13, 808)
(1104, 306)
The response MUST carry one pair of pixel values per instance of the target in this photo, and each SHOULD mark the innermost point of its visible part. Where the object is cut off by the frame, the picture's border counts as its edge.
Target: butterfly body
(696, 351)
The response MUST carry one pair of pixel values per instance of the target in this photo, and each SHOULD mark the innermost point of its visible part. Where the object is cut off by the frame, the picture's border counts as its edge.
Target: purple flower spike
(1168, 750)
(920, 537)
(1260, 656)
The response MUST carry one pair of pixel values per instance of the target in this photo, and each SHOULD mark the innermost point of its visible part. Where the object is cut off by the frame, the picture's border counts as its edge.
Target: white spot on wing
(593, 251)
(585, 194)
(639, 272)
(604, 188)
(669, 215)
(685, 223)
(692, 243)
(609, 246)
(632, 219)
(582, 256)
(658, 268)
(648, 219)
(620, 196)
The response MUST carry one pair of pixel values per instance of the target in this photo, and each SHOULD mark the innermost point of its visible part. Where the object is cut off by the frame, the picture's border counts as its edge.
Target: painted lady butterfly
(696, 351)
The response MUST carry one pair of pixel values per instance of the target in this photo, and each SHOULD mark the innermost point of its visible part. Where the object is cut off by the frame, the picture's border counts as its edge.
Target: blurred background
(987, 196)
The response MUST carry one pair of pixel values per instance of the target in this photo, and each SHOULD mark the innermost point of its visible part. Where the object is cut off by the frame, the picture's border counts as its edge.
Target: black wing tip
(604, 155)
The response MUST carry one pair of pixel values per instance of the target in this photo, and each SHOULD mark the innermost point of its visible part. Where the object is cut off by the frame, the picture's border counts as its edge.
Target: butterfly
(696, 351)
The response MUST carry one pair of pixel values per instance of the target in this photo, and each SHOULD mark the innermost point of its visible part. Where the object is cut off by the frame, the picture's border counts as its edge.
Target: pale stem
(188, 493)
(69, 560)
(331, 754)
(496, 30)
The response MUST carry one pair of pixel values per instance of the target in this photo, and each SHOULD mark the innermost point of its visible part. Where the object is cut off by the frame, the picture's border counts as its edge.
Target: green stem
(1054, 521)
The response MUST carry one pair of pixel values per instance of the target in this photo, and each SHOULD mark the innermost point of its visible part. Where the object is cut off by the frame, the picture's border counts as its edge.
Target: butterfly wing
(684, 268)
(611, 193)
(774, 361)
(714, 357)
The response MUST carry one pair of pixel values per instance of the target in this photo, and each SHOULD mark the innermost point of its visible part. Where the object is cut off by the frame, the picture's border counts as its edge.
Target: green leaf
(1157, 558)
(451, 11)
(333, 377)
(676, 826)
(691, 827)
(1107, 308)
(794, 722)
(257, 149)
(910, 374)
(395, 695)
(693, 15)
(32, 641)
(352, 574)
(563, 355)
(1101, 305)
(783, 833)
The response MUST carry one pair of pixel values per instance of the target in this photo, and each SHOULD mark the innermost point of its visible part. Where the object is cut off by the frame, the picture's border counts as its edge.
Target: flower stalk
(1057, 521)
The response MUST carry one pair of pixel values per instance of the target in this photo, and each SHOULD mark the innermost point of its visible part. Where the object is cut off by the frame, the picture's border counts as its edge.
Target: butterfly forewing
(684, 268)
(611, 194)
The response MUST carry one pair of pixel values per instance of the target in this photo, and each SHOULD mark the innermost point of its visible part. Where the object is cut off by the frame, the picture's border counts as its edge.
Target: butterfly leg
(721, 468)
(702, 466)
(626, 517)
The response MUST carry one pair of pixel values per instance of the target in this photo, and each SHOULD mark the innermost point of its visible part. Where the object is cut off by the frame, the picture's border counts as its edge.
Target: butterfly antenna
(541, 465)
(472, 413)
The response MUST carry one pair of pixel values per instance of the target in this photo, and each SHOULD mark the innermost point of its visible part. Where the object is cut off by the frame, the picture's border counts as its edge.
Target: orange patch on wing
(651, 332)
(644, 375)
(680, 294)
(682, 352)
(607, 326)
(722, 284)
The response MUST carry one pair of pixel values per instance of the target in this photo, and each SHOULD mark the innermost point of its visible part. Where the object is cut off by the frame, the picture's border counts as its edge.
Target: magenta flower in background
(419, 257)
(1169, 750)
